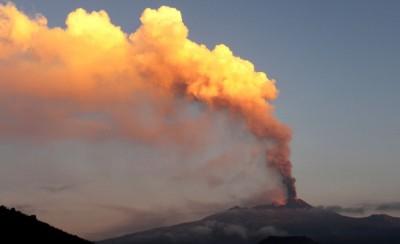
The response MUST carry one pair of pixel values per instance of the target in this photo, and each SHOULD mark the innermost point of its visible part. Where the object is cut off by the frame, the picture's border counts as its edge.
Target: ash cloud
(346, 210)
(148, 117)
(365, 208)
(92, 81)
(390, 206)
(212, 229)
(270, 231)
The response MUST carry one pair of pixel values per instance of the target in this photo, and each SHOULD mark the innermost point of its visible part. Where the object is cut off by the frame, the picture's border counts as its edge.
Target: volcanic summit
(242, 225)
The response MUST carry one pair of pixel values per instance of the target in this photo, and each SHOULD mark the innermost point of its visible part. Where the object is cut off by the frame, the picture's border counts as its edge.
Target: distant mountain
(252, 225)
(16, 227)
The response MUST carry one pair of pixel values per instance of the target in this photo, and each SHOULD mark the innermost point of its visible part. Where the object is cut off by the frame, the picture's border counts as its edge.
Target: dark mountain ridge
(16, 227)
(241, 225)
(288, 240)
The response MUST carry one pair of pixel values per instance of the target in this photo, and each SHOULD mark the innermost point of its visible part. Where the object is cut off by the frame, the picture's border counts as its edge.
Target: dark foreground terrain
(255, 225)
(287, 240)
(16, 227)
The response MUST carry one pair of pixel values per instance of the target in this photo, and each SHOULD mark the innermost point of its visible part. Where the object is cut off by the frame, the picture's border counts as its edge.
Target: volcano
(293, 203)
(242, 225)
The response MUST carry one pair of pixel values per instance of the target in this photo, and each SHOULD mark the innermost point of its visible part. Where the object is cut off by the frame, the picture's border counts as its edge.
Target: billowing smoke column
(93, 66)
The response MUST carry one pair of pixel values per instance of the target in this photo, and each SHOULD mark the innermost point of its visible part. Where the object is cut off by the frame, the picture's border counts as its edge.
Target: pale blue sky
(337, 67)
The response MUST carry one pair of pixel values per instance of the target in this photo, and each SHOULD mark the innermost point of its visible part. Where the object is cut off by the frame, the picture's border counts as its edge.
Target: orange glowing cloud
(90, 80)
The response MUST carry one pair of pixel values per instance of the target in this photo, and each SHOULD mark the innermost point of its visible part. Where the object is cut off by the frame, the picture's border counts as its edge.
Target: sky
(336, 67)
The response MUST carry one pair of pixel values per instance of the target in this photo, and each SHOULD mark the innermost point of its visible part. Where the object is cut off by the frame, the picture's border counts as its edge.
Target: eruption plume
(93, 68)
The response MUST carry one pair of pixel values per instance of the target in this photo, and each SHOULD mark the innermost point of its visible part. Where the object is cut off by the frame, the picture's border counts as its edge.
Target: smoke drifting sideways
(91, 80)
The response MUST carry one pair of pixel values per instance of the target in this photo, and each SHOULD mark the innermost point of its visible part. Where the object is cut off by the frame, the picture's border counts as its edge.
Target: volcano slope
(251, 225)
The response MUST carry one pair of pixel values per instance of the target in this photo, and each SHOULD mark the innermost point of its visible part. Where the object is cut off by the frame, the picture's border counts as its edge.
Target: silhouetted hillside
(288, 240)
(16, 227)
